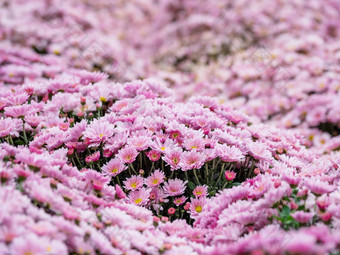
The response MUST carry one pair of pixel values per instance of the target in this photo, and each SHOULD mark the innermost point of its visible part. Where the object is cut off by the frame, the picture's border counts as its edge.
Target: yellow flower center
(155, 181)
(28, 253)
(114, 170)
(133, 185)
(162, 148)
(198, 209)
(103, 99)
(101, 135)
(49, 248)
(194, 147)
(198, 193)
(138, 200)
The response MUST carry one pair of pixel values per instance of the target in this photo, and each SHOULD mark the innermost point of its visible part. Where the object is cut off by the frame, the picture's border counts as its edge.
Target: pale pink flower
(259, 151)
(194, 143)
(18, 111)
(9, 126)
(179, 200)
(128, 154)
(200, 191)
(29, 244)
(98, 132)
(140, 197)
(319, 187)
(192, 160)
(229, 154)
(33, 120)
(163, 146)
(196, 205)
(135, 182)
(141, 143)
(175, 187)
(114, 167)
(119, 192)
(155, 179)
(302, 217)
(173, 157)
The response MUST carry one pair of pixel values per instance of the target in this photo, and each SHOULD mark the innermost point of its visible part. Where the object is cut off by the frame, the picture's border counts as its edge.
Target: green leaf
(235, 184)
(285, 211)
(191, 185)
(19, 142)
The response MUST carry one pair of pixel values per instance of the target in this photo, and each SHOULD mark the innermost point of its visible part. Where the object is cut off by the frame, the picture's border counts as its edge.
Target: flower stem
(198, 182)
(25, 136)
(219, 177)
(133, 169)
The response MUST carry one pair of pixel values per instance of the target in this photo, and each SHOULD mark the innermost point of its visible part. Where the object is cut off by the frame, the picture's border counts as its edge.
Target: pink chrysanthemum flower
(93, 157)
(18, 111)
(200, 191)
(163, 146)
(229, 154)
(179, 200)
(319, 187)
(173, 158)
(155, 179)
(192, 160)
(114, 167)
(153, 155)
(229, 175)
(302, 217)
(141, 143)
(259, 151)
(33, 120)
(29, 244)
(140, 197)
(135, 182)
(9, 126)
(196, 205)
(98, 132)
(175, 187)
(194, 143)
(128, 154)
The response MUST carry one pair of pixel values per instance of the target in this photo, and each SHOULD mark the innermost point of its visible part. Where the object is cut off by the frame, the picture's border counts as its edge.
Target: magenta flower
(171, 211)
(175, 187)
(93, 157)
(229, 175)
(153, 155)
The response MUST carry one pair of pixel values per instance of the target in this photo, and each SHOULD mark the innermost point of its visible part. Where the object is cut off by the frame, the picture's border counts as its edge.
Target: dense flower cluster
(169, 127)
